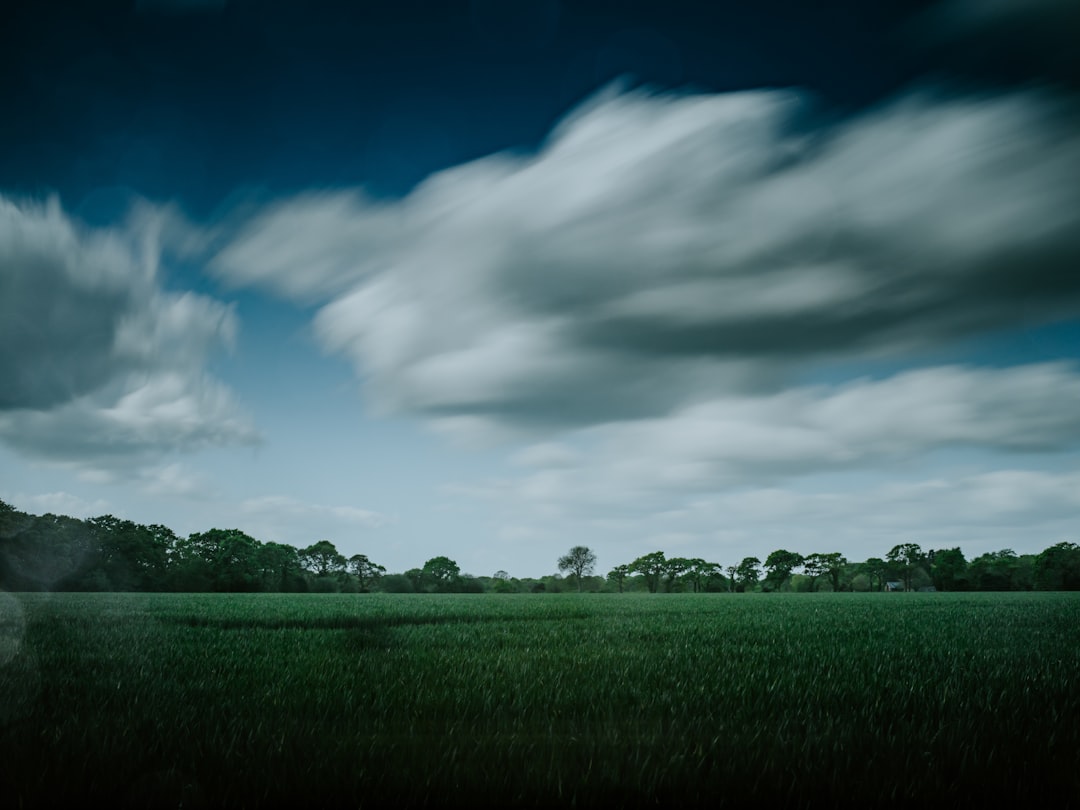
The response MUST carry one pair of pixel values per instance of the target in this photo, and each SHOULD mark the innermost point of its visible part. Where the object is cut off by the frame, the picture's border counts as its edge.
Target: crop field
(662, 700)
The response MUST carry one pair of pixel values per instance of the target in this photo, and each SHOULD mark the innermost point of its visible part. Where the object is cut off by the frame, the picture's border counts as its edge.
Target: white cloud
(1025, 510)
(636, 467)
(104, 369)
(661, 250)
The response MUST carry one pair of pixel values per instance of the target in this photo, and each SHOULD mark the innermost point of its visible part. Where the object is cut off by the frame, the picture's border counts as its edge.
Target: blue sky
(490, 280)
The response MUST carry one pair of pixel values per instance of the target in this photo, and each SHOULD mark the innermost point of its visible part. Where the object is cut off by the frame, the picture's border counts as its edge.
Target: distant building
(894, 586)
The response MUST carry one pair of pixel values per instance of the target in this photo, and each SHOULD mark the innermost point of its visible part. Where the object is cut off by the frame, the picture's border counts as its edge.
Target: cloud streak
(665, 249)
(735, 442)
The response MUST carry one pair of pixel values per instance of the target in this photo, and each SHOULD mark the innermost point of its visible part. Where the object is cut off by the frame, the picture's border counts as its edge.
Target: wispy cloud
(666, 249)
(645, 465)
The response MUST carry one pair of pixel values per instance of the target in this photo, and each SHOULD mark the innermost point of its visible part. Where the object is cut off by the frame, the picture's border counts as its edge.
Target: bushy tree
(948, 569)
(906, 558)
(748, 573)
(834, 563)
(440, 574)
(652, 567)
(875, 570)
(322, 558)
(700, 573)
(779, 566)
(1058, 568)
(618, 575)
(366, 572)
(814, 567)
(579, 561)
(279, 567)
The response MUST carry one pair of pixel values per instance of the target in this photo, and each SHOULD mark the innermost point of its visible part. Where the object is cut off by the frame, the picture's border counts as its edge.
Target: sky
(492, 279)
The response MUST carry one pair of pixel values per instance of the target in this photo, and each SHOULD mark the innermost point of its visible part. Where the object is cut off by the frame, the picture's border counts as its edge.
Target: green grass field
(336, 700)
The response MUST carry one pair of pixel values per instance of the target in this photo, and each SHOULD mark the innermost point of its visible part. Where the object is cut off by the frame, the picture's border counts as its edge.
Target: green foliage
(1058, 568)
(366, 572)
(579, 561)
(906, 558)
(618, 576)
(779, 566)
(396, 583)
(949, 569)
(439, 575)
(322, 558)
(652, 568)
(995, 571)
(748, 573)
(875, 569)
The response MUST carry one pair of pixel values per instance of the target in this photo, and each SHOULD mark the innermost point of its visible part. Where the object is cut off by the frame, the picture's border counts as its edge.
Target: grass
(336, 700)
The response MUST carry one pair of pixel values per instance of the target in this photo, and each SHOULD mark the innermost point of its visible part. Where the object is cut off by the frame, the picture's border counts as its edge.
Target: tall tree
(701, 572)
(875, 569)
(579, 561)
(994, 571)
(780, 565)
(130, 556)
(322, 558)
(236, 565)
(366, 572)
(651, 567)
(906, 557)
(814, 566)
(674, 567)
(440, 574)
(948, 569)
(279, 567)
(732, 573)
(834, 563)
(749, 572)
(1057, 568)
(618, 575)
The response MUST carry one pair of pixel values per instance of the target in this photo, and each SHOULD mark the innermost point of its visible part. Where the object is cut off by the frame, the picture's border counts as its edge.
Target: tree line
(906, 567)
(56, 552)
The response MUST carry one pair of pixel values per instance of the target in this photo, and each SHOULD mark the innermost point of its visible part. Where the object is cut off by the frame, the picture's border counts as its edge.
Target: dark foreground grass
(717, 700)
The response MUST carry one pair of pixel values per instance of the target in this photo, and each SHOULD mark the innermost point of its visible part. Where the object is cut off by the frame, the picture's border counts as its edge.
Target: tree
(994, 570)
(218, 559)
(366, 572)
(279, 567)
(131, 557)
(1057, 568)
(652, 567)
(906, 557)
(834, 563)
(948, 569)
(236, 564)
(322, 558)
(580, 562)
(732, 572)
(814, 567)
(701, 572)
(780, 564)
(748, 572)
(875, 569)
(618, 575)
(673, 569)
(440, 574)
